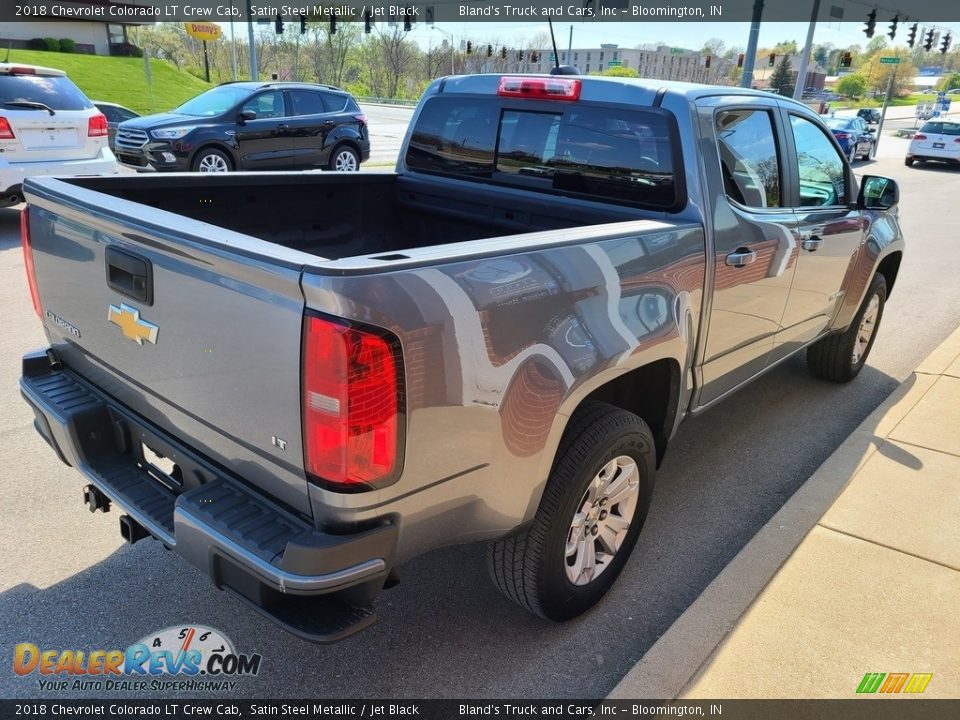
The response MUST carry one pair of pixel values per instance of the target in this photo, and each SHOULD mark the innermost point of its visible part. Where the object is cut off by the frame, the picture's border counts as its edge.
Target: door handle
(282, 126)
(812, 243)
(741, 256)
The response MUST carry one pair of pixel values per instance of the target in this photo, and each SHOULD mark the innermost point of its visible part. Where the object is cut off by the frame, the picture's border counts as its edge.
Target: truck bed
(335, 216)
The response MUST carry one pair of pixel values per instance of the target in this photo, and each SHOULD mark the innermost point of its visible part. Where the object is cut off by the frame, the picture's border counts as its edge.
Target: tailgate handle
(130, 275)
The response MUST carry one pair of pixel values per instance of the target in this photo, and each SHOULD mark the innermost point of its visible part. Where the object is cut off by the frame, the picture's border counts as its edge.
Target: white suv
(47, 127)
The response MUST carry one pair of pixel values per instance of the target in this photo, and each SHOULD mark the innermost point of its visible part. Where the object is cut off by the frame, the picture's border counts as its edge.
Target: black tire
(339, 152)
(832, 358)
(852, 155)
(211, 156)
(908, 161)
(530, 566)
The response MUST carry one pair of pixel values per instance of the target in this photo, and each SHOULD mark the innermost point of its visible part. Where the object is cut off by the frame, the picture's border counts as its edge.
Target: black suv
(871, 116)
(250, 126)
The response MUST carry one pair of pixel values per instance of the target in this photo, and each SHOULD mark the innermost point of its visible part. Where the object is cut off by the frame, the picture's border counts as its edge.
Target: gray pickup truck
(298, 381)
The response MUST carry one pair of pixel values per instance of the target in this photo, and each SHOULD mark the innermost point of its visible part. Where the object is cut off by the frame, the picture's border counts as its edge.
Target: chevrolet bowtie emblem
(134, 327)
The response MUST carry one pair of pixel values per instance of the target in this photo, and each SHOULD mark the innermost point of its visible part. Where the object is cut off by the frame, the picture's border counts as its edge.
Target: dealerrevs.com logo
(186, 658)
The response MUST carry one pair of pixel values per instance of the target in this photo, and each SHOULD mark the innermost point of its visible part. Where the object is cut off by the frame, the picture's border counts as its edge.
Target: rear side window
(748, 157)
(307, 102)
(613, 154)
(941, 128)
(335, 103)
(56, 92)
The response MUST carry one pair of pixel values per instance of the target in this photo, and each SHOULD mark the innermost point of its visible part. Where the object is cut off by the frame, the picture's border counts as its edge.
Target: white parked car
(47, 127)
(937, 140)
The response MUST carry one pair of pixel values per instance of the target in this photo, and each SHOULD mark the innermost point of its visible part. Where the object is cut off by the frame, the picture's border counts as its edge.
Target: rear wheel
(841, 357)
(344, 159)
(852, 155)
(908, 161)
(212, 160)
(589, 518)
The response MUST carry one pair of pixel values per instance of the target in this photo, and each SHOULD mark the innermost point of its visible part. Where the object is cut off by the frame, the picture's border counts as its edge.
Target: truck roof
(610, 89)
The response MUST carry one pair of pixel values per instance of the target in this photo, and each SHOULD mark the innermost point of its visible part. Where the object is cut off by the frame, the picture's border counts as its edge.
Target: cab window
(748, 158)
(822, 173)
(307, 102)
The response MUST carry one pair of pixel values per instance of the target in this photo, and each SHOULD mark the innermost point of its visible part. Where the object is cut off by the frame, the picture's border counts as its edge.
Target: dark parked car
(855, 138)
(250, 126)
(115, 115)
(871, 116)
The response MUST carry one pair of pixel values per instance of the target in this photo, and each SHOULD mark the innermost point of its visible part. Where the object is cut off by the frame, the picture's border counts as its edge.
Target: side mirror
(247, 115)
(878, 193)
(871, 131)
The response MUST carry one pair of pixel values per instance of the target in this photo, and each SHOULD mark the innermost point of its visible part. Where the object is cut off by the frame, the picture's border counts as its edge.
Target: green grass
(914, 99)
(119, 79)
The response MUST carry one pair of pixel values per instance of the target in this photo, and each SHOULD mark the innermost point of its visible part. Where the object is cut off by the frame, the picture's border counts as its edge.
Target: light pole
(449, 37)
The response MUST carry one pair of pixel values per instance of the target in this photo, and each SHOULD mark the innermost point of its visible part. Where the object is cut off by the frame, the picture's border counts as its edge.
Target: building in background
(664, 63)
(92, 37)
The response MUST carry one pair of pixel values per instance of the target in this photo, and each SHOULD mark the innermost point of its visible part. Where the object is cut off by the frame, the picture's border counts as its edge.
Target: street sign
(203, 31)
(614, 63)
(677, 51)
(889, 61)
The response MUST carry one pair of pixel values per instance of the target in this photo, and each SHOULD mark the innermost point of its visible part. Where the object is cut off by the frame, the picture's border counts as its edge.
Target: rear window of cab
(612, 154)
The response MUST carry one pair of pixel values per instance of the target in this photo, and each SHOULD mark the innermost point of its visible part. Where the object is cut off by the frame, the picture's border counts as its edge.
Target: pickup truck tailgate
(193, 327)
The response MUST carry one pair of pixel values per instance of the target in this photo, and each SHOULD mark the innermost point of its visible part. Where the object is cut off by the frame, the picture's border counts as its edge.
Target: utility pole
(570, 46)
(805, 57)
(746, 80)
(253, 44)
(883, 111)
(233, 44)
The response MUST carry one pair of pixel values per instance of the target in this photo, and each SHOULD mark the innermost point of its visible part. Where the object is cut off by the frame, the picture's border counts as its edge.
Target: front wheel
(590, 516)
(841, 357)
(345, 159)
(211, 160)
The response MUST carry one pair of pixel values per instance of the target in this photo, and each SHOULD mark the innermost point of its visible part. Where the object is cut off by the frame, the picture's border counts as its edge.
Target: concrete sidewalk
(859, 572)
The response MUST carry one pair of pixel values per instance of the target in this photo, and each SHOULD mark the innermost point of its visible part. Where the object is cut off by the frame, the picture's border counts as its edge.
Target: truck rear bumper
(317, 585)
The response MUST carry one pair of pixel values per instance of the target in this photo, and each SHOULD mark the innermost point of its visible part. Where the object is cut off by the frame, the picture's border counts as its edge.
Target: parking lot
(67, 580)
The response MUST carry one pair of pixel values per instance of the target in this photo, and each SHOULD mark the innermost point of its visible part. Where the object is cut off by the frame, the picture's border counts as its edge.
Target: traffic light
(503, 53)
(945, 45)
(706, 62)
(740, 59)
(489, 50)
(912, 37)
(303, 24)
(928, 42)
(278, 24)
(367, 22)
(847, 60)
(469, 47)
(773, 60)
(893, 26)
(519, 55)
(534, 57)
(407, 22)
(333, 24)
(870, 24)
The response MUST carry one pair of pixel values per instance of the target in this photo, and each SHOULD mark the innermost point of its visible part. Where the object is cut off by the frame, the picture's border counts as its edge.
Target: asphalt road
(388, 124)
(66, 580)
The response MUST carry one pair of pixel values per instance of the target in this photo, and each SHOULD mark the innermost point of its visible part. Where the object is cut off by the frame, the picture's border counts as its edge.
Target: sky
(678, 34)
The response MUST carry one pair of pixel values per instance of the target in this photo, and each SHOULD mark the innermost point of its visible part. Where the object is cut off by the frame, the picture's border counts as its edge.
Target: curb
(677, 656)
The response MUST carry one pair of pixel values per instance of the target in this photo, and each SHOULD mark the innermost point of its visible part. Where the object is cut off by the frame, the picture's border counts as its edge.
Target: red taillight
(919, 136)
(360, 118)
(552, 88)
(841, 135)
(956, 140)
(97, 125)
(18, 70)
(351, 405)
(6, 132)
(28, 259)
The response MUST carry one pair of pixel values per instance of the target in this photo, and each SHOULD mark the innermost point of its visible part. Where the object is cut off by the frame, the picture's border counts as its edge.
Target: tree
(786, 47)
(621, 72)
(949, 82)
(714, 46)
(877, 73)
(876, 45)
(853, 85)
(782, 78)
